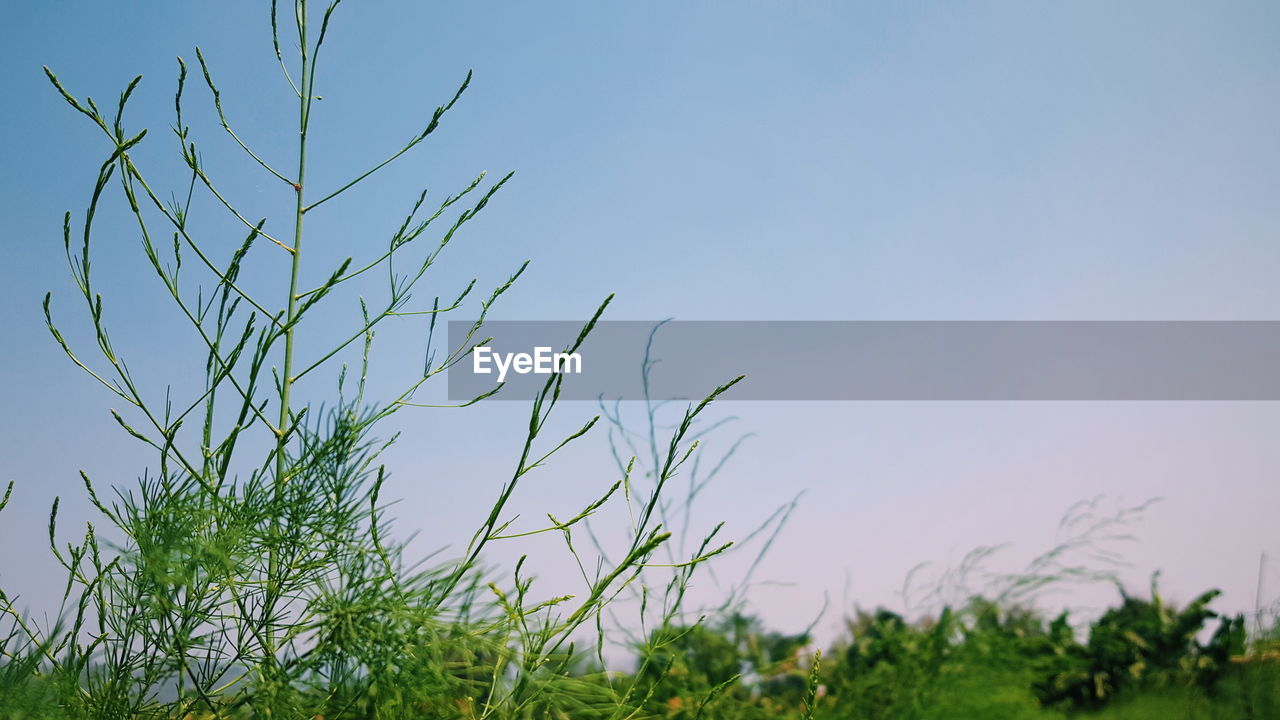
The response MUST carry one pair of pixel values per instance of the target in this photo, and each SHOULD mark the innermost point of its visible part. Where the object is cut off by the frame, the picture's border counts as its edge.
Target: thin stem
(435, 121)
(222, 117)
(275, 42)
(291, 314)
(180, 226)
(284, 426)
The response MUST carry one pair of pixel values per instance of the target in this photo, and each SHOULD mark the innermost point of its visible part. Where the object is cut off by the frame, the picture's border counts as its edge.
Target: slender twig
(431, 126)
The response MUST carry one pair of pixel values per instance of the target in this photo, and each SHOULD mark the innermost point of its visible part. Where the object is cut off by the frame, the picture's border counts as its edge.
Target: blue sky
(715, 160)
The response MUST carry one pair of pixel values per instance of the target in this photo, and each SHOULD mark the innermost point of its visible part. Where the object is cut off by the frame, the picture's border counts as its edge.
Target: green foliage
(731, 668)
(1246, 690)
(991, 661)
(252, 571)
(1145, 643)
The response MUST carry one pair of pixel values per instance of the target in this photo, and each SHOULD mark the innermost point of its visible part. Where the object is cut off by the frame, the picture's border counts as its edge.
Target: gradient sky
(716, 160)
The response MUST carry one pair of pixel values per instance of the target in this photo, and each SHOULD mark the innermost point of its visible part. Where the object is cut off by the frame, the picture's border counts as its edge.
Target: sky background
(723, 161)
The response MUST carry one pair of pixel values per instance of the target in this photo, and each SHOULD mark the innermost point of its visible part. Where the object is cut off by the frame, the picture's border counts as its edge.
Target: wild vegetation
(252, 570)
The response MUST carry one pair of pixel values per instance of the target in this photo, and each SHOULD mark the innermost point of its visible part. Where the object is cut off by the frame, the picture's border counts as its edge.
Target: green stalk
(291, 316)
(286, 381)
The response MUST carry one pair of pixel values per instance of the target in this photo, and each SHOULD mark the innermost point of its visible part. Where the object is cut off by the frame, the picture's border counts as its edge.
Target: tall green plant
(236, 582)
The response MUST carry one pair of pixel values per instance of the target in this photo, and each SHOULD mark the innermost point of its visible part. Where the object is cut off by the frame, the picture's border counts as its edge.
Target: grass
(232, 581)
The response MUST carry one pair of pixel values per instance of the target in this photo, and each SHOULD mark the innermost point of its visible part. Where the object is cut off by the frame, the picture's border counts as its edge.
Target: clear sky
(717, 160)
